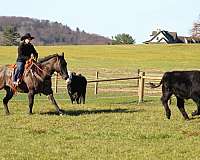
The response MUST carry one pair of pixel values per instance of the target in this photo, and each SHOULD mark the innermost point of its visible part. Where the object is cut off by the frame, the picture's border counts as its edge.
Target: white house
(162, 36)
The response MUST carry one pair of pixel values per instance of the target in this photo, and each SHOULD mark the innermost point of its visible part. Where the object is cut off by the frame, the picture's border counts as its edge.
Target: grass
(117, 129)
(110, 125)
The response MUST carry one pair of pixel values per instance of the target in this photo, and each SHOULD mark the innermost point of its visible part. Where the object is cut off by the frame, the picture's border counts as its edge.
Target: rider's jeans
(19, 71)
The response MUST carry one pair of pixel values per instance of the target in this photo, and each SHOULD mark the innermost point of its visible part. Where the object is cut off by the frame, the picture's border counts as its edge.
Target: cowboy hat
(27, 36)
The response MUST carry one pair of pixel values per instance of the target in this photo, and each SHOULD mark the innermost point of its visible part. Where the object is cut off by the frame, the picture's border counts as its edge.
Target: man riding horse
(36, 79)
(25, 51)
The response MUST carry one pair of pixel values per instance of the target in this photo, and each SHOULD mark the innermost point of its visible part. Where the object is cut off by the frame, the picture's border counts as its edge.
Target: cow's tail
(152, 85)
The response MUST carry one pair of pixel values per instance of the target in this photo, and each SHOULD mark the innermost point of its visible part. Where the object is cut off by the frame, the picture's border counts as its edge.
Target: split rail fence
(141, 79)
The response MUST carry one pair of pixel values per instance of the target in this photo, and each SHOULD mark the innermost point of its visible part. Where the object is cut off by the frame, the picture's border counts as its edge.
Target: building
(166, 37)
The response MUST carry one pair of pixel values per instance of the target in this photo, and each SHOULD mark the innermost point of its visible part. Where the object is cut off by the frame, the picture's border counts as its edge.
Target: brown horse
(36, 79)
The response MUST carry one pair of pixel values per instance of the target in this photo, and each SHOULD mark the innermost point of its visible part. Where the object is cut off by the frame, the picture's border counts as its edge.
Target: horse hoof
(60, 113)
(168, 115)
(7, 113)
(195, 113)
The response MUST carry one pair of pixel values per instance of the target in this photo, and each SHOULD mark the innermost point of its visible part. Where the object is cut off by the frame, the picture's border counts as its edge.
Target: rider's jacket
(24, 52)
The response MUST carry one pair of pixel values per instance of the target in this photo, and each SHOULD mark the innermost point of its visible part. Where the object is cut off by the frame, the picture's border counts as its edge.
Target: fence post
(56, 83)
(96, 84)
(141, 87)
(138, 72)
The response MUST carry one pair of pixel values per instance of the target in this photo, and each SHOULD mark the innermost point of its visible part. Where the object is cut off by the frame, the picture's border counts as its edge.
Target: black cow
(184, 85)
(76, 86)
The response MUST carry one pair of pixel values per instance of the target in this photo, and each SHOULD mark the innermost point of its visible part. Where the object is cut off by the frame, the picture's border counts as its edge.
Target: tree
(10, 36)
(123, 39)
(196, 28)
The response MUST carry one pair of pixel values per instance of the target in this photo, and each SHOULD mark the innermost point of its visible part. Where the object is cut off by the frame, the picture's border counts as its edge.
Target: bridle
(42, 70)
(58, 61)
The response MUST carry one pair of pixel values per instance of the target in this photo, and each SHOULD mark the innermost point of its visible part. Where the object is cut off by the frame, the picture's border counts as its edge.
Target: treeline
(46, 32)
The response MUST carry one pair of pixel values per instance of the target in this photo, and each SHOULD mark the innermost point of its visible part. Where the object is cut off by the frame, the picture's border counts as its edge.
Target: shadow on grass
(97, 111)
(135, 102)
(126, 102)
(194, 118)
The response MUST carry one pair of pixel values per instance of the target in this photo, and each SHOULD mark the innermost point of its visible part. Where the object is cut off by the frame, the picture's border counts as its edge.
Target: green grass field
(111, 125)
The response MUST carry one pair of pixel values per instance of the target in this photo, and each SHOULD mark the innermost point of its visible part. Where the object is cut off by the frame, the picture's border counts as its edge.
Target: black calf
(76, 87)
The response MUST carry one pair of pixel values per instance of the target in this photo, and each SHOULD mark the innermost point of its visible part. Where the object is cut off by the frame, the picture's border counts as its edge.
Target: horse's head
(61, 66)
(56, 63)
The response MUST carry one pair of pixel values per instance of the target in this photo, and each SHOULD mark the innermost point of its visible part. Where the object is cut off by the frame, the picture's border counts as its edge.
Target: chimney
(158, 30)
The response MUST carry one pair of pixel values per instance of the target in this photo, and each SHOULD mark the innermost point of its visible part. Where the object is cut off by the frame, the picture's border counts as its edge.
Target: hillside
(50, 33)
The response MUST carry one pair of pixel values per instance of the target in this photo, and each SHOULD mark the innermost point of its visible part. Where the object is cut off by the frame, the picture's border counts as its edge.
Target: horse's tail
(2, 76)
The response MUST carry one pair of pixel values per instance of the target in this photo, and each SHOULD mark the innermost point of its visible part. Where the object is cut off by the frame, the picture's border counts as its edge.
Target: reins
(40, 68)
(34, 64)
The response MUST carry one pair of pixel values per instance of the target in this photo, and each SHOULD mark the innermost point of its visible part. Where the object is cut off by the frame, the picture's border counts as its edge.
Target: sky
(111, 17)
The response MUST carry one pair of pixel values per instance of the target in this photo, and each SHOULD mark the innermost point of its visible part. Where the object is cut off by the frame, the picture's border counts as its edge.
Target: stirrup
(14, 89)
(16, 83)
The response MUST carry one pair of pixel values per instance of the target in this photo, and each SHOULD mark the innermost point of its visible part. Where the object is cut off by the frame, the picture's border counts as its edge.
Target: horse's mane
(40, 60)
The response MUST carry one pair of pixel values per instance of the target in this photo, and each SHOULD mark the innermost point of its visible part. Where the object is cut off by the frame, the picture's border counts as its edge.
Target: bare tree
(196, 28)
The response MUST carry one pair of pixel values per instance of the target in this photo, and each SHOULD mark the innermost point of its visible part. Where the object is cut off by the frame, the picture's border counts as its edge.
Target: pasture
(111, 125)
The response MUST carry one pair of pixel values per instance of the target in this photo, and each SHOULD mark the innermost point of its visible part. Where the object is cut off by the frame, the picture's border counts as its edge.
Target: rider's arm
(34, 52)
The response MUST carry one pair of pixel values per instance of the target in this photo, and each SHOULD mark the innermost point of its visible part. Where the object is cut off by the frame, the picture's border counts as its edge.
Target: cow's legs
(165, 98)
(53, 101)
(196, 99)
(180, 105)
(31, 101)
(78, 100)
(81, 99)
(72, 99)
(83, 96)
(9, 95)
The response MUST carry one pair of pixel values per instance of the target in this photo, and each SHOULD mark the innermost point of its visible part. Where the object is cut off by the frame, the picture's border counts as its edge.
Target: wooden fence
(141, 78)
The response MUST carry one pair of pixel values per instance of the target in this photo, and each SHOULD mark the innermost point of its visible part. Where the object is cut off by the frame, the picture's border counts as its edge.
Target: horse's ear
(62, 54)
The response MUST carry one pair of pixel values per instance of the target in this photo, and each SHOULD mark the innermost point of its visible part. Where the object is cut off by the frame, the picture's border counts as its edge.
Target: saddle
(27, 68)
(27, 65)
(12, 66)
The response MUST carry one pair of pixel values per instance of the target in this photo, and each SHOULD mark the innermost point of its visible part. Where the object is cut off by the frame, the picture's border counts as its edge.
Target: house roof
(189, 39)
(154, 33)
(169, 36)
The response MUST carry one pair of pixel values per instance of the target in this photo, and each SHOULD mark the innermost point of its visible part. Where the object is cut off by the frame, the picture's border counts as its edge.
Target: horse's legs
(53, 101)
(180, 105)
(165, 97)
(31, 101)
(9, 95)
